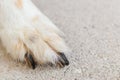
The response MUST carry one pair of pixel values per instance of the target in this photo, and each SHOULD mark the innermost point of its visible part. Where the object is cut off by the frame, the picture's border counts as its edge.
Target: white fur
(20, 34)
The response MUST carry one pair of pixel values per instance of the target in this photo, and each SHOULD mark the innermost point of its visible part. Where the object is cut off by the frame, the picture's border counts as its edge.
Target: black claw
(66, 62)
(30, 60)
(62, 64)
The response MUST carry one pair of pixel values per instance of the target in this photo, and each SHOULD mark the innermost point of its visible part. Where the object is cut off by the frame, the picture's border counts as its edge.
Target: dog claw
(61, 63)
(62, 55)
(30, 60)
(63, 60)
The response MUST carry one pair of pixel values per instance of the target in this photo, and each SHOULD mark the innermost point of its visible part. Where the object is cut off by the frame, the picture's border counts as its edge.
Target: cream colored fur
(23, 28)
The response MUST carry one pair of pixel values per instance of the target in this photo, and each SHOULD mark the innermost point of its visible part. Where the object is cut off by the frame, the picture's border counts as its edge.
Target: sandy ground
(92, 29)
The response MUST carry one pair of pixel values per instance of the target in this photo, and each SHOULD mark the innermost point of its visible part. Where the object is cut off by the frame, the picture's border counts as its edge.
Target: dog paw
(34, 46)
(28, 35)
